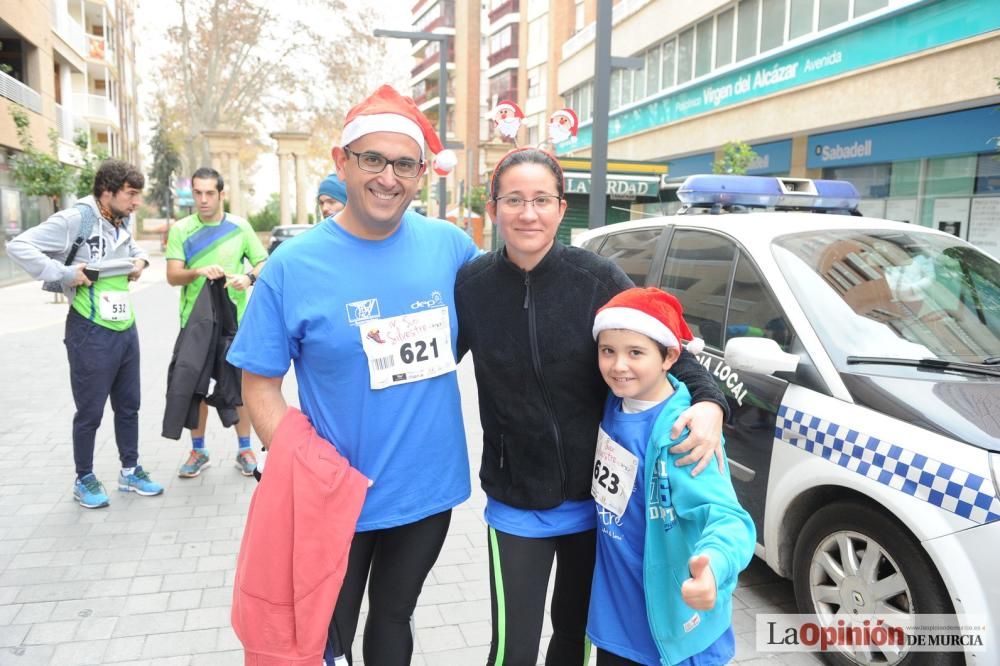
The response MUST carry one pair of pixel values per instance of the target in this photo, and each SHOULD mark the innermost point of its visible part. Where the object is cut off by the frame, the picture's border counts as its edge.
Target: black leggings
(612, 659)
(519, 578)
(398, 560)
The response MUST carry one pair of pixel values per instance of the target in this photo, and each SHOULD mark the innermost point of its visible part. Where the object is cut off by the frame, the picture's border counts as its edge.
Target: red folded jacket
(295, 544)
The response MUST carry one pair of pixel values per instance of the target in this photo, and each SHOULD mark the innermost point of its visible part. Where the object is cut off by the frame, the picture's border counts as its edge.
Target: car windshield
(895, 294)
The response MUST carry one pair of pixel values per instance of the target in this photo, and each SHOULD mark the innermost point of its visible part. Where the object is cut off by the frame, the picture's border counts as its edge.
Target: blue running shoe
(246, 462)
(197, 461)
(139, 482)
(89, 492)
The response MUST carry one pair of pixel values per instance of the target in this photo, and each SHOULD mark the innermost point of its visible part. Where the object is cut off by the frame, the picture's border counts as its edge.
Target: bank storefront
(939, 171)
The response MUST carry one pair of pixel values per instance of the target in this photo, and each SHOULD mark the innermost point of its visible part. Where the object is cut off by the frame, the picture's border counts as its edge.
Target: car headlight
(995, 470)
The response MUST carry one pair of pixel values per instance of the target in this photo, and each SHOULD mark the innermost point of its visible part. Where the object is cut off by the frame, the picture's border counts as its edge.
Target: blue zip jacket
(686, 517)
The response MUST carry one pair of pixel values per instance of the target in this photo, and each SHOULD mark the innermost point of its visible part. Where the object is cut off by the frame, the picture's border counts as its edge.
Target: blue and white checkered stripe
(946, 486)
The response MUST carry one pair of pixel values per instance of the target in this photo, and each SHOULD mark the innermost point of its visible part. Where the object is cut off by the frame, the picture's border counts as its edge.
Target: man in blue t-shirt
(363, 306)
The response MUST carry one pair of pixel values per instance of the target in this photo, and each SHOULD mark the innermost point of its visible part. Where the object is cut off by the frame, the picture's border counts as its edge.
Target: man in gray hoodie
(90, 251)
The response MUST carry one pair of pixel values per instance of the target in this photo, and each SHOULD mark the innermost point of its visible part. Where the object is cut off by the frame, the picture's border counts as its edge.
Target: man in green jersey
(209, 245)
(89, 249)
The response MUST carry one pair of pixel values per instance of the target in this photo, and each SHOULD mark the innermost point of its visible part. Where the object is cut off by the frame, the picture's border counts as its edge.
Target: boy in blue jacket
(669, 546)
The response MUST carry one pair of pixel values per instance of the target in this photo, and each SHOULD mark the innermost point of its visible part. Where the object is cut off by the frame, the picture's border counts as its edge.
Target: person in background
(332, 196)
(212, 244)
(89, 250)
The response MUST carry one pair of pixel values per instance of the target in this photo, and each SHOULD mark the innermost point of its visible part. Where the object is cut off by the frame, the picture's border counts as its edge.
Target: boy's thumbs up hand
(699, 590)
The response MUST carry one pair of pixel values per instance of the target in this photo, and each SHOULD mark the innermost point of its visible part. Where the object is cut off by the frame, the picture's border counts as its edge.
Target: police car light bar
(768, 192)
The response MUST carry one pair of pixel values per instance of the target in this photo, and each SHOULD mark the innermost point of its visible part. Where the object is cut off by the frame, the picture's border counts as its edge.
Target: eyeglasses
(542, 203)
(404, 167)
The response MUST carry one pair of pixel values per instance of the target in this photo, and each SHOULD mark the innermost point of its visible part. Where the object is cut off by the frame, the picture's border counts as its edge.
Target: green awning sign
(619, 187)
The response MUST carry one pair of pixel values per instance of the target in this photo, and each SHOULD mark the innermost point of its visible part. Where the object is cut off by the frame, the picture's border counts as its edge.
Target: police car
(861, 361)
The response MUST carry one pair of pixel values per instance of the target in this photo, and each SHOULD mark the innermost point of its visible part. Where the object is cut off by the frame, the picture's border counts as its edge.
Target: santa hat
(652, 312)
(509, 105)
(388, 111)
(571, 114)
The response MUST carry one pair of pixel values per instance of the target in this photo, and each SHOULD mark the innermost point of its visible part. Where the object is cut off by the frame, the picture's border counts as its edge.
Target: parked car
(861, 360)
(284, 232)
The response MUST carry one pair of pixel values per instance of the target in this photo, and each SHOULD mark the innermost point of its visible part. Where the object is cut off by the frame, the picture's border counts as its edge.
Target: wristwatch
(253, 278)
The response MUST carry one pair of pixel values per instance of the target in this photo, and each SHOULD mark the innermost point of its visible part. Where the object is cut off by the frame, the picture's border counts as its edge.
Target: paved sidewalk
(148, 580)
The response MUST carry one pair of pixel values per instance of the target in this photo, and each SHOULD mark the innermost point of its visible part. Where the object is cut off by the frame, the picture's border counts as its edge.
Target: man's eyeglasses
(404, 167)
(542, 203)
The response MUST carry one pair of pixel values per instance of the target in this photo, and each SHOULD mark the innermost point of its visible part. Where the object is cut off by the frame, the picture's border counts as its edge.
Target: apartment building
(897, 96)
(70, 63)
(462, 87)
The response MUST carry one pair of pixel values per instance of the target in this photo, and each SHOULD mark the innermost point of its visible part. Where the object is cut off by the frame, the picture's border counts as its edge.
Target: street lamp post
(442, 93)
(604, 62)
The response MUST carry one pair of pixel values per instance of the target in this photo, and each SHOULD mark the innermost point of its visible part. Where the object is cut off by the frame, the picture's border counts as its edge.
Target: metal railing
(16, 91)
(67, 27)
(69, 123)
(97, 106)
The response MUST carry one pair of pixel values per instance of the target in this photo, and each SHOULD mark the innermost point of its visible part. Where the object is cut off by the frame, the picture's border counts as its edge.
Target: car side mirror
(760, 355)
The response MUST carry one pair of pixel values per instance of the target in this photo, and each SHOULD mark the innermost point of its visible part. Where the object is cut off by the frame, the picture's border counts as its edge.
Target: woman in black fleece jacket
(526, 313)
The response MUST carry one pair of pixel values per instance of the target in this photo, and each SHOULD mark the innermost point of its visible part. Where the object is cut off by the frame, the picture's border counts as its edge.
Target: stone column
(296, 146)
(226, 143)
(233, 186)
(301, 212)
(286, 215)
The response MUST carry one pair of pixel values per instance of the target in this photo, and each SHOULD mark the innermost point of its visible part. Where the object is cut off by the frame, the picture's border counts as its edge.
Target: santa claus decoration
(562, 125)
(507, 117)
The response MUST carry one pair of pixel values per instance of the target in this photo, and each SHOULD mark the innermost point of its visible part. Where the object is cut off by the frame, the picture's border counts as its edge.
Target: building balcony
(434, 60)
(16, 91)
(69, 30)
(509, 7)
(99, 49)
(506, 53)
(96, 108)
(69, 123)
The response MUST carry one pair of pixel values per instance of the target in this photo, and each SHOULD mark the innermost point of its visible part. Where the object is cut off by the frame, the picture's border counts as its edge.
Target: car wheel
(851, 559)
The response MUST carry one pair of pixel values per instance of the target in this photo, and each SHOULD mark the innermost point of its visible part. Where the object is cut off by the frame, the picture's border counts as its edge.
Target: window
(616, 89)
(746, 29)
(753, 311)
(500, 40)
(872, 180)
(639, 81)
(669, 57)
(703, 46)
(862, 7)
(724, 38)
(772, 24)
(988, 175)
(626, 77)
(832, 12)
(536, 82)
(697, 272)
(632, 251)
(653, 71)
(578, 17)
(685, 56)
(585, 110)
(538, 36)
(800, 18)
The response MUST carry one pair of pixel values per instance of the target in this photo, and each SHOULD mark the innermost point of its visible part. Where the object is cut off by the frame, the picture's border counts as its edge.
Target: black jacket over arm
(540, 390)
(200, 356)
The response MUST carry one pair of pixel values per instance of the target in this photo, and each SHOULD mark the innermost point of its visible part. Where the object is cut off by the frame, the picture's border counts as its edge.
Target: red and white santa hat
(568, 113)
(386, 110)
(507, 104)
(652, 312)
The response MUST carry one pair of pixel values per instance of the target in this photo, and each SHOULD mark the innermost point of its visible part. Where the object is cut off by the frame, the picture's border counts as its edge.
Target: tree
(36, 172)
(166, 162)
(91, 160)
(267, 217)
(253, 67)
(736, 158)
(477, 199)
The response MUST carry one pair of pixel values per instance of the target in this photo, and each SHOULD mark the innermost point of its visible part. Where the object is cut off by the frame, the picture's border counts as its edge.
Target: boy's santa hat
(510, 106)
(652, 312)
(388, 111)
(567, 113)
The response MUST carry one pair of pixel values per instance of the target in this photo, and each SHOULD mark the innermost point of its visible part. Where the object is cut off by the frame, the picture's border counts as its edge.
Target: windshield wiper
(929, 364)
(992, 360)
